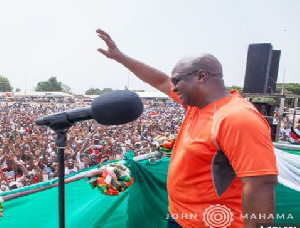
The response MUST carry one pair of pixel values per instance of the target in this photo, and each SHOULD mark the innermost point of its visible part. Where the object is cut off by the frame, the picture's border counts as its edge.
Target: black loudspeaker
(267, 110)
(258, 66)
(264, 108)
(273, 131)
(273, 75)
(261, 107)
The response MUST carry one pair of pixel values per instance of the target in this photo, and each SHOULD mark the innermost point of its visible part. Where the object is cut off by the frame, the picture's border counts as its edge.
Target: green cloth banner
(143, 204)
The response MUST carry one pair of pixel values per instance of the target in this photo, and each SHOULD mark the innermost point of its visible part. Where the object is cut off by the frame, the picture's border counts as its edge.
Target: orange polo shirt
(216, 145)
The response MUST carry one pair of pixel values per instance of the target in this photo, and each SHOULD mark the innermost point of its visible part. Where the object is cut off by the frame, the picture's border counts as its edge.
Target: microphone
(114, 108)
(74, 115)
(118, 107)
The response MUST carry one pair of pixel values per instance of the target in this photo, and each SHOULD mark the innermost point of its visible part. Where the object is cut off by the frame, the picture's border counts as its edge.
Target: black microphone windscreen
(117, 107)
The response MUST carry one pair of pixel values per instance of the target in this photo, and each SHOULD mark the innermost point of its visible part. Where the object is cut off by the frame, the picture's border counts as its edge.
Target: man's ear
(202, 76)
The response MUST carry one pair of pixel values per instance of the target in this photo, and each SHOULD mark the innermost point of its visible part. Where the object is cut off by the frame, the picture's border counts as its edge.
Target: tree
(5, 85)
(93, 91)
(51, 85)
(106, 90)
(18, 90)
(66, 89)
(97, 91)
(234, 87)
(289, 88)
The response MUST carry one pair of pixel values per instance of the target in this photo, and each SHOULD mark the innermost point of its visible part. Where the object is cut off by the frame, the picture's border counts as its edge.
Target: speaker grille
(258, 66)
(273, 75)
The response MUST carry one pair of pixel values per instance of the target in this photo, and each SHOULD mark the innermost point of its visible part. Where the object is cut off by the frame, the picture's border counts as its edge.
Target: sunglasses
(177, 79)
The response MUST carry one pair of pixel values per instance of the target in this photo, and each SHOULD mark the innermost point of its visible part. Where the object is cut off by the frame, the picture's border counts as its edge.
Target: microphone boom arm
(64, 120)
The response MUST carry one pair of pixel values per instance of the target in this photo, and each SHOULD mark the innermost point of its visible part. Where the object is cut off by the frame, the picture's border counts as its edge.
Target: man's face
(9, 179)
(184, 81)
(27, 154)
(17, 152)
(55, 167)
(85, 160)
(11, 154)
(137, 145)
(70, 165)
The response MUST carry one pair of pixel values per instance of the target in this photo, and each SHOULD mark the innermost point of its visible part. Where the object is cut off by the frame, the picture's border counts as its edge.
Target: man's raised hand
(112, 51)
(148, 74)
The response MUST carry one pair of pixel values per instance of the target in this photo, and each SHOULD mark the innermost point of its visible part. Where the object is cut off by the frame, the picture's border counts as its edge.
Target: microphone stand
(60, 144)
(61, 124)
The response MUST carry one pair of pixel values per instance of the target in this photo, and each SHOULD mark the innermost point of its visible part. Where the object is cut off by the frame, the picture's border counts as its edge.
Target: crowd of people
(28, 152)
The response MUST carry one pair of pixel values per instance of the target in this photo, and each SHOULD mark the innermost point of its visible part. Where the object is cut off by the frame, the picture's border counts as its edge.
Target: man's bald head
(205, 62)
(197, 80)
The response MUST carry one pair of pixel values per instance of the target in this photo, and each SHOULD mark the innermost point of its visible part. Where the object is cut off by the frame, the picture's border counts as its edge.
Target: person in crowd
(70, 168)
(223, 153)
(30, 151)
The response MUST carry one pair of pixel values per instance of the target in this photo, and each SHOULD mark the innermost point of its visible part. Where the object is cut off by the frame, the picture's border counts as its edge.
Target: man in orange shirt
(222, 168)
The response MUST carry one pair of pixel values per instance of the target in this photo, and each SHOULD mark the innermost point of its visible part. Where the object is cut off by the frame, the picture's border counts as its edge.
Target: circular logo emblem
(217, 216)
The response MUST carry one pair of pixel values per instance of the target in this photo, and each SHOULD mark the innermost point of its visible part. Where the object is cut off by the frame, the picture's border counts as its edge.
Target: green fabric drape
(143, 204)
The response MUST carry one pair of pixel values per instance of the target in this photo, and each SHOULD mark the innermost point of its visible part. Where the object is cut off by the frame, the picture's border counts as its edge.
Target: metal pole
(295, 110)
(61, 143)
(282, 88)
(61, 188)
(280, 117)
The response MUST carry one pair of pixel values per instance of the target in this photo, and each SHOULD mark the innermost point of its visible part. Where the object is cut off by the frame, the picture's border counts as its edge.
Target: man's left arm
(258, 199)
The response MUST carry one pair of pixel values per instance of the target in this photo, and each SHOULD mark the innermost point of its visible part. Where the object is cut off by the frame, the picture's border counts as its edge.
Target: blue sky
(41, 39)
